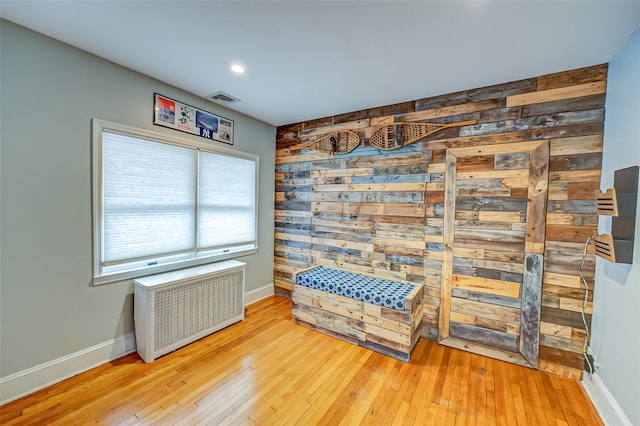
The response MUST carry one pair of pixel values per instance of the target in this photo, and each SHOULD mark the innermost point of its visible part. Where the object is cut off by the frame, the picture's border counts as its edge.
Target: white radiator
(174, 309)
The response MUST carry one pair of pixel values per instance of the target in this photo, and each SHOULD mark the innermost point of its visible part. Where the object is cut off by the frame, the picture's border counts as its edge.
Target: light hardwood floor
(267, 370)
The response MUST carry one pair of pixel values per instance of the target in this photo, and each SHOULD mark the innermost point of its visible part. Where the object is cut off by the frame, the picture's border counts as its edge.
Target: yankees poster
(176, 115)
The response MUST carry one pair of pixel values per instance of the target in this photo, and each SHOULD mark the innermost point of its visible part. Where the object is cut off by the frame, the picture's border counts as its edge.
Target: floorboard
(267, 370)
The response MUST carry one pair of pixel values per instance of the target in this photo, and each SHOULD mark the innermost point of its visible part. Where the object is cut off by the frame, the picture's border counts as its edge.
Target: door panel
(495, 208)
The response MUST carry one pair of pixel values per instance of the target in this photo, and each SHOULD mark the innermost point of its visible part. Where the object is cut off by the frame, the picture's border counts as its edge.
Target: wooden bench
(378, 314)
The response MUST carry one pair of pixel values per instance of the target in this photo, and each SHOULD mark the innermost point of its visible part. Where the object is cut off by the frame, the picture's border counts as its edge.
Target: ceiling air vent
(223, 98)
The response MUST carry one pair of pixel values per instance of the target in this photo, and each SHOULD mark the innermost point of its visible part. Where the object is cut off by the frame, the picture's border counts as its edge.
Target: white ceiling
(311, 59)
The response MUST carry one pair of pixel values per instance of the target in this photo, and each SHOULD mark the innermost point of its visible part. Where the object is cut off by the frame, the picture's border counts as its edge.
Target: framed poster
(176, 115)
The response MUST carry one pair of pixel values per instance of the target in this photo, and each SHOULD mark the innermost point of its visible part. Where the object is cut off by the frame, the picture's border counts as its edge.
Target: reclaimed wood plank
(292, 237)
(475, 163)
(521, 183)
(342, 223)
(564, 105)
(510, 302)
(512, 161)
(575, 176)
(468, 238)
(436, 168)
(562, 343)
(498, 216)
(477, 140)
(327, 173)
(531, 304)
(555, 330)
(507, 148)
(447, 253)
(558, 191)
(537, 204)
(500, 114)
(498, 266)
(312, 132)
(303, 158)
(484, 192)
(493, 174)
(576, 91)
(492, 183)
(572, 77)
(501, 204)
(576, 162)
(380, 242)
(485, 285)
(484, 336)
(504, 327)
(392, 109)
(447, 111)
(563, 280)
(581, 190)
(577, 145)
(569, 233)
(329, 321)
(478, 224)
(402, 340)
(342, 243)
(568, 292)
(318, 300)
(385, 187)
(498, 91)
(502, 355)
(381, 121)
(489, 254)
(485, 310)
(564, 359)
(567, 131)
(539, 125)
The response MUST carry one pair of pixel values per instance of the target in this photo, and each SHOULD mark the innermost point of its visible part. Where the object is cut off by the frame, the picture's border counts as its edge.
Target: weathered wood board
(384, 330)
(340, 212)
(518, 226)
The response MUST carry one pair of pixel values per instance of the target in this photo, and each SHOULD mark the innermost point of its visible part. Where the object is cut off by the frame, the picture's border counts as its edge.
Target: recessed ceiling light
(237, 68)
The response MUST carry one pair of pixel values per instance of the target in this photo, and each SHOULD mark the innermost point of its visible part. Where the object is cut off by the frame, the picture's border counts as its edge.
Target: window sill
(167, 267)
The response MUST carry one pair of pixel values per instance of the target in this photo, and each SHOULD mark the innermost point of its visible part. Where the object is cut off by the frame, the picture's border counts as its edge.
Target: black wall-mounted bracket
(620, 202)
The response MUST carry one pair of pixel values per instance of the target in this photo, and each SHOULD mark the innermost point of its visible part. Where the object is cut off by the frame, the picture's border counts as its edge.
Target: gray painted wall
(49, 93)
(616, 310)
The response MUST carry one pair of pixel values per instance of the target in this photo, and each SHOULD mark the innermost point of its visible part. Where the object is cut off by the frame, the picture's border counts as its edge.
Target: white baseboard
(39, 377)
(35, 378)
(258, 294)
(606, 405)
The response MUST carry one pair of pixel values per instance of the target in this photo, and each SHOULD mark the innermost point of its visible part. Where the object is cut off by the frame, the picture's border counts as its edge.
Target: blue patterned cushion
(376, 291)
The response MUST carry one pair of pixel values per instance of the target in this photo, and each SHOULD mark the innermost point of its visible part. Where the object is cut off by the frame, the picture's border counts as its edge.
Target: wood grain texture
(484, 322)
(486, 285)
(563, 110)
(537, 193)
(567, 92)
(573, 77)
(532, 303)
(261, 371)
(447, 258)
(394, 332)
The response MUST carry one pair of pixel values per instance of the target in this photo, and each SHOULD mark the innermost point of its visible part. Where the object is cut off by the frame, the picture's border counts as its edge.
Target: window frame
(100, 277)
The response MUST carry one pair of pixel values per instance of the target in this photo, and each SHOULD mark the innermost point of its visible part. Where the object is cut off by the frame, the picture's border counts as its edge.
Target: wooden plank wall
(381, 213)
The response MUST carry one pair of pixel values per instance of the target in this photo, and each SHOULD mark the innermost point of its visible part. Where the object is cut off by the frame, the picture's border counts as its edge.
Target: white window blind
(163, 203)
(226, 203)
(149, 199)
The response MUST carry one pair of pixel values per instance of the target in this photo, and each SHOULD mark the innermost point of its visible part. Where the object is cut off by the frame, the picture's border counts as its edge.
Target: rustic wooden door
(494, 229)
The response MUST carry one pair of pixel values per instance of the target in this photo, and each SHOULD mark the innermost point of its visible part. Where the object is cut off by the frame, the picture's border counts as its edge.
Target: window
(163, 203)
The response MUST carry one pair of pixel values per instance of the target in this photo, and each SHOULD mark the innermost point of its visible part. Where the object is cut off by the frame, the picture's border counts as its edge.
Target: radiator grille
(174, 309)
(187, 310)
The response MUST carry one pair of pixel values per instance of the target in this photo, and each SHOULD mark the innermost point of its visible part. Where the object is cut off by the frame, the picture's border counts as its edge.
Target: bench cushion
(376, 291)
